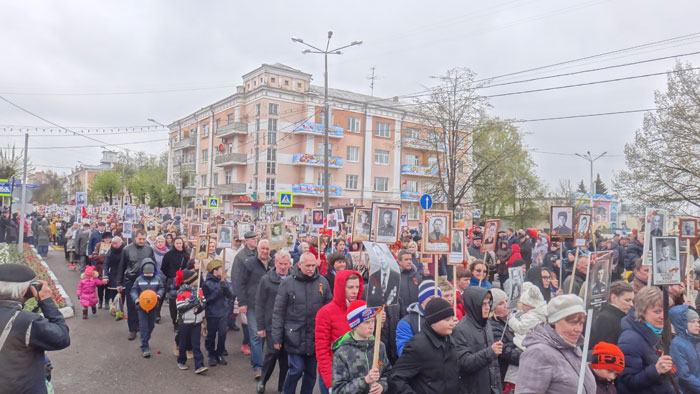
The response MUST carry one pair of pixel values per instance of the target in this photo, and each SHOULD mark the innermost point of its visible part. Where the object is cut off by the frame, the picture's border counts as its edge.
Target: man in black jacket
(299, 297)
(248, 281)
(410, 279)
(129, 269)
(27, 335)
(265, 301)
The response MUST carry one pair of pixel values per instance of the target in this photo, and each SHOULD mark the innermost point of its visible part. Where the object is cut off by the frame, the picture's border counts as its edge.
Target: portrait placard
(202, 247)
(224, 237)
(387, 224)
(340, 215)
(488, 244)
(654, 226)
(561, 222)
(332, 221)
(438, 225)
(360, 261)
(384, 275)
(194, 231)
(600, 272)
(583, 227)
(317, 218)
(516, 287)
(666, 261)
(688, 227)
(151, 226)
(363, 225)
(375, 208)
(276, 235)
(457, 253)
(127, 228)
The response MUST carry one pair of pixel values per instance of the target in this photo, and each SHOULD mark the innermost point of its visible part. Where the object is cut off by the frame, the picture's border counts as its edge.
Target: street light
(157, 122)
(588, 157)
(326, 118)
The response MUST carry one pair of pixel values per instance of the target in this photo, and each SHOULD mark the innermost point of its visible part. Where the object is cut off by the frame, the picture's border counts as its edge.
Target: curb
(67, 311)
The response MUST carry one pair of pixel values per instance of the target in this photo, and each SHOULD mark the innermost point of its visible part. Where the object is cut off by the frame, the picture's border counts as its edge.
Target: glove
(223, 285)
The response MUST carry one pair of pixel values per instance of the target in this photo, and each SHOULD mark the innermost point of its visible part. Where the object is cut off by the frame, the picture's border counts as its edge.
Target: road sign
(18, 184)
(213, 202)
(17, 194)
(285, 199)
(477, 213)
(5, 189)
(426, 202)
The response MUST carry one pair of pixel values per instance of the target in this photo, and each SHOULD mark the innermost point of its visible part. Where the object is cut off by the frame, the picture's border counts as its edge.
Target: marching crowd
(303, 310)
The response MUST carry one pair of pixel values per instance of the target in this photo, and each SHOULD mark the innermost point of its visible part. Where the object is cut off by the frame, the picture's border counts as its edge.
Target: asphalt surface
(101, 360)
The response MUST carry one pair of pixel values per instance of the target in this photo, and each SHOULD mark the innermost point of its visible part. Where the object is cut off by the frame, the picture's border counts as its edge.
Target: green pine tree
(582, 187)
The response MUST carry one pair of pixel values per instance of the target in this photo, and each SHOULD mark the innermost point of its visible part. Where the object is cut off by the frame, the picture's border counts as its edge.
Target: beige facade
(267, 138)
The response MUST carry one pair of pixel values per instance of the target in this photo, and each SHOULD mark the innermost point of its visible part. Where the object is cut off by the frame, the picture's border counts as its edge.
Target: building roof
(362, 98)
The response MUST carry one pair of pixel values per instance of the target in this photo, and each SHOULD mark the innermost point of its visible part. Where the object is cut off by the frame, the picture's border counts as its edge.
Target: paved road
(102, 360)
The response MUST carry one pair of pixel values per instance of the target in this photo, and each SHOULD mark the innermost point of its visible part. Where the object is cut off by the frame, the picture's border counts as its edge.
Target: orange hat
(608, 356)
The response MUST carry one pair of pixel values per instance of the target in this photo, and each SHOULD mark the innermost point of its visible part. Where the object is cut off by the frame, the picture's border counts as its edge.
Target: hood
(274, 277)
(515, 248)
(148, 260)
(543, 333)
(296, 273)
(472, 299)
(213, 277)
(534, 276)
(416, 308)
(118, 250)
(628, 323)
(349, 340)
(339, 287)
(680, 322)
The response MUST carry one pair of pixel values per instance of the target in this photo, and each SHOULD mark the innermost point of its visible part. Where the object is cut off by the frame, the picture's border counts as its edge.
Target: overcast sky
(203, 48)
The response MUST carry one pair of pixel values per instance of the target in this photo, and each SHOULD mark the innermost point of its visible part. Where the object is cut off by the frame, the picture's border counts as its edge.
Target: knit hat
(562, 306)
(427, 290)
(118, 239)
(214, 264)
(608, 356)
(691, 315)
(89, 271)
(358, 312)
(438, 309)
(531, 295)
(188, 276)
(498, 295)
(106, 234)
(149, 268)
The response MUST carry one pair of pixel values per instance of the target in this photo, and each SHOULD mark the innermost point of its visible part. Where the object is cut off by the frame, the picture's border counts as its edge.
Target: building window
(351, 182)
(229, 118)
(353, 154)
(381, 184)
(412, 212)
(229, 148)
(216, 124)
(432, 162)
(412, 160)
(271, 161)
(273, 109)
(272, 124)
(205, 130)
(272, 79)
(354, 125)
(257, 159)
(298, 85)
(203, 181)
(458, 214)
(257, 109)
(229, 177)
(257, 124)
(321, 151)
(205, 155)
(383, 130)
(215, 179)
(272, 138)
(412, 132)
(269, 188)
(286, 82)
(381, 157)
(411, 186)
(270, 167)
(320, 178)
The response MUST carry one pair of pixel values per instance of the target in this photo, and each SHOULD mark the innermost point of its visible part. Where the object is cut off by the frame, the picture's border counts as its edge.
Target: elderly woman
(646, 370)
(480, 273)
(552, 359)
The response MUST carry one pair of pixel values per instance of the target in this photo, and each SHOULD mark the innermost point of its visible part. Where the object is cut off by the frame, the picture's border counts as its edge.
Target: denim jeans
(215, 325)
(43, 250)
(132, 318)
(300, 365)
(147, 321)
(256, 343)
(190, 338)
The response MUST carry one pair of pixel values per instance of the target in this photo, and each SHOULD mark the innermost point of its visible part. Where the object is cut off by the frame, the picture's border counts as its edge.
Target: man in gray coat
(81, 245)
(130, 269)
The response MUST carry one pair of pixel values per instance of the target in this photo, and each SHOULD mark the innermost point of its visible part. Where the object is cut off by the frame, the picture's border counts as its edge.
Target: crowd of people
(303, 308)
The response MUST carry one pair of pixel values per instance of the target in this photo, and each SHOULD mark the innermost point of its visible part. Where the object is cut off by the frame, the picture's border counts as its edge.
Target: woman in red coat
(332, 322)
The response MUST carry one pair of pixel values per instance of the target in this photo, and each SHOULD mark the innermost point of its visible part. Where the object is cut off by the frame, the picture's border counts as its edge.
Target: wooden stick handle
(573, 273)
(377, 337)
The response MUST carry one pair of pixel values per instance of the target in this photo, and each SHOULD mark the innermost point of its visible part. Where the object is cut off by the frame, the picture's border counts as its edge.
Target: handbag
(116, 307)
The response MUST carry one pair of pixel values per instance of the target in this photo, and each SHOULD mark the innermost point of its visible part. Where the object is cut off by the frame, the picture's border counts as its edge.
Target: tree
(51, 189)
(663, 161)
(149, 183)
(600, 187)
(456, 126)
(12, 163)
(105, 185)
(582, 187)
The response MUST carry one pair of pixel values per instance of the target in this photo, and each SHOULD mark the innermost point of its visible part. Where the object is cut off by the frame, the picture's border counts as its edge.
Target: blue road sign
(5, 189)
(285, 199)
(426, 201)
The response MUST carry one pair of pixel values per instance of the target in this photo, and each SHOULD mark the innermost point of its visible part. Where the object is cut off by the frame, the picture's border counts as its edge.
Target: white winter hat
(562, 306)
(531, 295)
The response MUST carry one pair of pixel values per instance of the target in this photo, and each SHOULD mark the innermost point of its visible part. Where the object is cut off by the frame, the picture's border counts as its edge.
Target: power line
(118, 93)
(92, 146)
(632, 111)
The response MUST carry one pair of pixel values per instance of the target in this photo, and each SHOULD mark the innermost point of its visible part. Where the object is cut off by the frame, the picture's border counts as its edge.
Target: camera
(36, 285)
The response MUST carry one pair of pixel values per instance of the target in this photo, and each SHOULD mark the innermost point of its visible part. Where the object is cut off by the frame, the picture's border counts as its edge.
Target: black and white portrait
(654, 226)
(582, 226)
(688, 227)
(599, 275)
(202, 247)
(562, 221)
(244, 228)
(80, 199)
(457, 254)
(362, 226)
(194, 231)
(490, 235)
(666, 261)
(438, 225)
(206, 213)
(404, 219)
(384, 275)
(332, 221)
(276, 235)
(514, 291)
(387, 224)
(127, 229)
(437, 230)
(225, 237)
(340, 215)
(130, 213)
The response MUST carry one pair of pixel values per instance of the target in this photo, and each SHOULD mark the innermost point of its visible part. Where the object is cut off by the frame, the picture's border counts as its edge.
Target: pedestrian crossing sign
(5, 189)
(285, 199)
(213, 202)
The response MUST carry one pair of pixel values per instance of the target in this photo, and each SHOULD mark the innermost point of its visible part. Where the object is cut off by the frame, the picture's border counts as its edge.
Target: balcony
(414, 196)
(189, 192)
(306, 159)
(407, 169)
(232, 128)
(317, 129)
(414, 143)
(185, 143)
(232, 189)
(230, 159)
(316, 190)
(183, 167)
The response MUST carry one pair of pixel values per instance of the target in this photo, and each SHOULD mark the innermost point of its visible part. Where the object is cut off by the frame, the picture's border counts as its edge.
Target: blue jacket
(473, 282)
(638, 343)
(95, 238)
(143, 283)
(409, 326)
(685, 351)
(215, 293)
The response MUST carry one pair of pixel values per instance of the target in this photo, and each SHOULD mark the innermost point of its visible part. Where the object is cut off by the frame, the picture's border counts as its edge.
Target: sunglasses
(546, 277)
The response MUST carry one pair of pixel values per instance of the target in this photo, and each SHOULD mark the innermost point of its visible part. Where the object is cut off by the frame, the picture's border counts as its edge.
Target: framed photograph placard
(666, 261)
(224, 237)
(562, 218)
(387, 224)
(437, 227)
(654, 226)
(488, 244)
(583, 227)
(688, 228)
(317, 218)
(276, 235)
(362, 225)
(458, 247)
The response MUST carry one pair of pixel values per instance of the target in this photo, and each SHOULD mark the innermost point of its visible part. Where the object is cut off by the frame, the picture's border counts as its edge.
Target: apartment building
(267, 137)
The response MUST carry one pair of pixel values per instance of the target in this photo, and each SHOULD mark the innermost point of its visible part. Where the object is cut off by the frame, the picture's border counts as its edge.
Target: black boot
(85, 313)
(221, 360)
(94, 309)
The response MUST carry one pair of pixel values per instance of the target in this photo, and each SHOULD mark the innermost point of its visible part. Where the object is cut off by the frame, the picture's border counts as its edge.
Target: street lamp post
(589, 158)
(326, 118)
